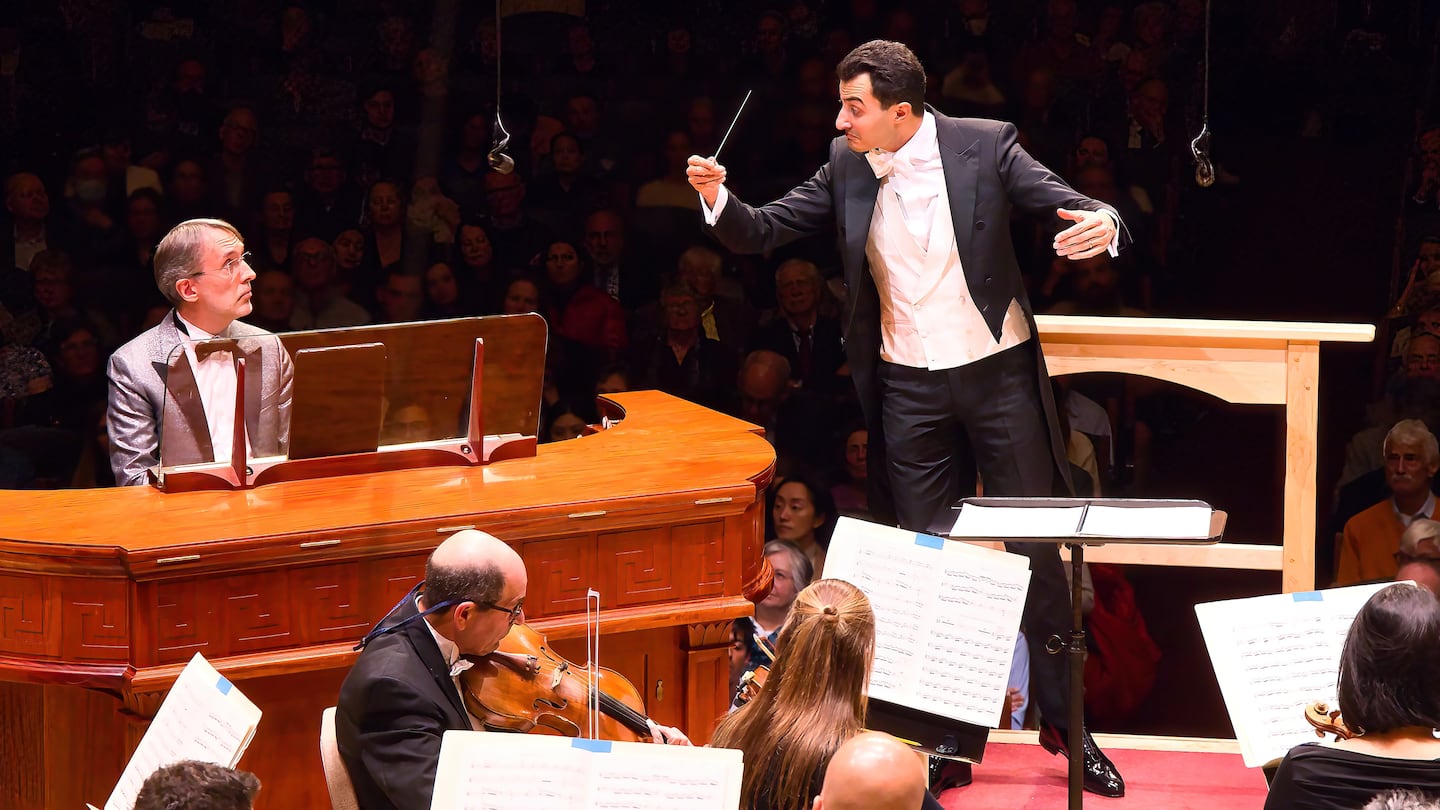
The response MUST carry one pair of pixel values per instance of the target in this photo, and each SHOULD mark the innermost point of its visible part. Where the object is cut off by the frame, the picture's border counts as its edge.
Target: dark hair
(896, 74)
(820, 499)
(1391, 662)
(565, 133)
(477, 583)
(198, 786)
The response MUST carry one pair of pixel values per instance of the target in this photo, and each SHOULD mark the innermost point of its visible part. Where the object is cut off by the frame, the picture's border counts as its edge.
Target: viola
(750, 685)
(1327, 721)
(752, 682)
(525, 686)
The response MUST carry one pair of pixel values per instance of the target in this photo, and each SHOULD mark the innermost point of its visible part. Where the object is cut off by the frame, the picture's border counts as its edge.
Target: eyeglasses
(227, 270)
(516, 613)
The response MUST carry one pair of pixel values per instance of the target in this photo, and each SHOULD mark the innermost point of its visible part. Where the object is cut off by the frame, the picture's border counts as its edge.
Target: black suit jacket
(395, 705)
(827, 351)
(986, 171)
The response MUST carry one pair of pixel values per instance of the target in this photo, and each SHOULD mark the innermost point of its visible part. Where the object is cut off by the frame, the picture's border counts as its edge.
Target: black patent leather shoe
(1101, 778)
(948, 773)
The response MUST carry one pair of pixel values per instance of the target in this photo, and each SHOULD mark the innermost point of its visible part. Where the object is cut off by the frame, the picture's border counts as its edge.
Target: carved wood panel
(29, 620)
(636, 567)
(385, 581)
(560, 573)
(185, 623)
(329, 604)
(700, 560)
(96, 620)
(254, 612)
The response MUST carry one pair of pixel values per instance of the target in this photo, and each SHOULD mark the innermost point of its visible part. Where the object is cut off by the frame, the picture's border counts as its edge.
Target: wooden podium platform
(1249, 362)
(105, 594)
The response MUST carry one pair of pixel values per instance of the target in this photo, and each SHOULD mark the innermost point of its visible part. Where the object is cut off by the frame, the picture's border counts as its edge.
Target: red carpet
(1022, 775)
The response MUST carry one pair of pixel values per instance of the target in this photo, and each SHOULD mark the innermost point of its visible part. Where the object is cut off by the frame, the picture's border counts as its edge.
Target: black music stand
(1076, 542)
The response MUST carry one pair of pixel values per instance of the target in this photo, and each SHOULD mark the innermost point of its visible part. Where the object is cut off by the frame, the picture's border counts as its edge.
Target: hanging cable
(499, 161)
(1200, 146)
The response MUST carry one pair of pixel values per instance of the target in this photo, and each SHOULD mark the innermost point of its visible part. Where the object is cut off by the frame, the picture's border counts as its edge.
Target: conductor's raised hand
(706, 176)
(1091, 235)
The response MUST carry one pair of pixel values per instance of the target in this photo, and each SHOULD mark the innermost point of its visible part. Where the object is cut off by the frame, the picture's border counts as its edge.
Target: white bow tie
(884, 163)
(460, 666)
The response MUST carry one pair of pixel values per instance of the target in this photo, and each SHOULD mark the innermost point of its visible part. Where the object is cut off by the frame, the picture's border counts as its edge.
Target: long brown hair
(813, 701)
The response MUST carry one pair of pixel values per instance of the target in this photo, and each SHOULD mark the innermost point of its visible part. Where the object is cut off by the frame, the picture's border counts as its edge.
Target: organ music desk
(105, 594)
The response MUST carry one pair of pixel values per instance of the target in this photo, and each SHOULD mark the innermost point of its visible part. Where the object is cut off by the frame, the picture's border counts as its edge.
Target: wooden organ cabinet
(106, 594)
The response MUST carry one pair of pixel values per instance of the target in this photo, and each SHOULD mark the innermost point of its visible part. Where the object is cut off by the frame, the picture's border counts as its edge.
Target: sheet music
(481, 770)
(975, 520)
(1274, 655)
(946, 617)
(204, 717)
(1147, 522)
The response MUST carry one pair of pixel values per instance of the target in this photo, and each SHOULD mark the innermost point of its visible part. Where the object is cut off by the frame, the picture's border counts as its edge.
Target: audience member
(522, 295)
(804, 515)
(793, 573)
(852, 494)
(799, 423)
(400, 297)
(516, 238)
(562, 197)
(481, 283)
(326, 204)
(320, 302)
(276, 231)
(1387, 694)
(615, 272)
(681, 360)
(237, 175)
(1419, 555)
(810, 341)
(442, 292)
(564, 422)
(188, 190)
(273, 294)
(29, 230)
(579, 310)
(1371, 538)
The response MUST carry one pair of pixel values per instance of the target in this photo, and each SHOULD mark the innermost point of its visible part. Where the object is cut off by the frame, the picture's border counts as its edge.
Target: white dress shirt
(928, 317)
(216, 381)
(450, 651)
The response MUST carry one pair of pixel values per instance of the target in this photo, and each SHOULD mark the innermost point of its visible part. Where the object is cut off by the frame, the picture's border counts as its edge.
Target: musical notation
(946, 617)
(1273, 655)
(482, 770)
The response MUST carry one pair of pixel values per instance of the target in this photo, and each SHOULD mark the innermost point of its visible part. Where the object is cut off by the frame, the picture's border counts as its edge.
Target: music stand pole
(1076, 650)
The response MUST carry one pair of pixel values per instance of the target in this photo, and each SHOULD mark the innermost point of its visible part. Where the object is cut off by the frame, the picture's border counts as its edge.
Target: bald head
(873, 771)
(471, 549)
(482, 582)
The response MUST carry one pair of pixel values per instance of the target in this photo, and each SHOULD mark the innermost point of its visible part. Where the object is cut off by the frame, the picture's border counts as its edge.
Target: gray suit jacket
(144, 395)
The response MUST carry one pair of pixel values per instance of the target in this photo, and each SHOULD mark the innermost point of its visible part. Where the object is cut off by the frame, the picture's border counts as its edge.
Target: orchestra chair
(337, 778)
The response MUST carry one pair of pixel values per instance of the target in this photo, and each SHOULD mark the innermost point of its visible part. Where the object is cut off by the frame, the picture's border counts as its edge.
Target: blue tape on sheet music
(929, 541)
(224, 685)
(593, 746)
(1308, 596)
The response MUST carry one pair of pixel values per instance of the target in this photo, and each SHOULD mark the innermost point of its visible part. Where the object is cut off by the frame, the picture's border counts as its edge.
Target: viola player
(403, 693)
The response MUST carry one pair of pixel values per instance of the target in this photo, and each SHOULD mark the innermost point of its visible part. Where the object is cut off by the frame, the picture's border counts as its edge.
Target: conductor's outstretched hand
(1091, 234)
(706, 177)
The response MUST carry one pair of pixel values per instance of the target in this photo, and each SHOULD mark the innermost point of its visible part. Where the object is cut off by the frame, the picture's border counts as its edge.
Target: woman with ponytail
(812, 701)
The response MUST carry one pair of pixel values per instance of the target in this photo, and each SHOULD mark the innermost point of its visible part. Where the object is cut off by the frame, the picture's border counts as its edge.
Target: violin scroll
(1327, 721)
